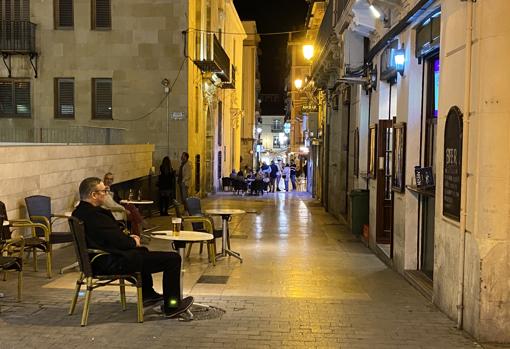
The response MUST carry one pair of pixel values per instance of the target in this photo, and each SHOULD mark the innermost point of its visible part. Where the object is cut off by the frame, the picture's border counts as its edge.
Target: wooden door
(384, 229)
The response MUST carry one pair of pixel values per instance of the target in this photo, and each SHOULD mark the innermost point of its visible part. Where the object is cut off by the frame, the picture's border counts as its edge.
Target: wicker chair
(13, 261)
(39, 211)
(92, 280)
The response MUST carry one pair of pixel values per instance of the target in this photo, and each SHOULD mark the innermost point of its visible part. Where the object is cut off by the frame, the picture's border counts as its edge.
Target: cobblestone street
(305, 282)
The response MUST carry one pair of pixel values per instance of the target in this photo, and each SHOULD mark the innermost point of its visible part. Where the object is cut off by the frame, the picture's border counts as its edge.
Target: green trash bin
(359, 212)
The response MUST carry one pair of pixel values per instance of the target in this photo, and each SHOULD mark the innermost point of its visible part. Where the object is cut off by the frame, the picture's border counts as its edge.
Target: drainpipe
(464, 173)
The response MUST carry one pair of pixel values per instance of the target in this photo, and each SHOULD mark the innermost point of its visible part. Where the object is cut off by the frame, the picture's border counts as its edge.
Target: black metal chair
(202, 223)
(226, 182)
(33, 243)
(39, 211)
(88, 277)
(13, 260)
(240, 186)
(257, 187)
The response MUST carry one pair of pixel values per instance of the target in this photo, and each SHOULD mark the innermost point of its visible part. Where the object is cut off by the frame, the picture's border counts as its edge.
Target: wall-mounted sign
(177, 115)
(310, 108)
(452, 164)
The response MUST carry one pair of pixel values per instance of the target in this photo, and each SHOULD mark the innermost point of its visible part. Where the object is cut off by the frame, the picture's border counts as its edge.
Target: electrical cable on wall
(163, 99)
(233, 33)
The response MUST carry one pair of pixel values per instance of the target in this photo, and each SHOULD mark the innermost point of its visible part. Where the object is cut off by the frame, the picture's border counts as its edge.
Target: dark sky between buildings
(273, 16)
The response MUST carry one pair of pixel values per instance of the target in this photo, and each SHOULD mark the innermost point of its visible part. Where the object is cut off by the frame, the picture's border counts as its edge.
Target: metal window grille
(15, 98)
(102, 98)
(101, 14)
(64, 14)
(64, 97)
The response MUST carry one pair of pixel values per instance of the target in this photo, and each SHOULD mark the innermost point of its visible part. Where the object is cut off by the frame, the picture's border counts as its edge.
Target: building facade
(251, 91)
(415, 114)
(106, 71)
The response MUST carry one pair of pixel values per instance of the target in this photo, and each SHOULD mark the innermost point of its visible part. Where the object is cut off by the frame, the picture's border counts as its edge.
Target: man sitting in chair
(125, 253)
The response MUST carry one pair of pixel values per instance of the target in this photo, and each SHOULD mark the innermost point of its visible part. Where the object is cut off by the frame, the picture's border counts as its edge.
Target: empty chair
(240, 186)
(13, 260)
(33, 243)
(195, 210)
(88, 277)
(39, 211)
(257, 187)
(226, 182)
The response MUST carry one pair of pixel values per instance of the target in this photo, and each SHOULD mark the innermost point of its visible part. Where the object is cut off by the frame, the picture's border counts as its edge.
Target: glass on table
(176, 225)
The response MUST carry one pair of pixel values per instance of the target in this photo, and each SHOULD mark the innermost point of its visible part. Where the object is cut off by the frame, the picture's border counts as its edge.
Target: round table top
(184, 235)
(5, 223)
(224, 211)
(137, 202)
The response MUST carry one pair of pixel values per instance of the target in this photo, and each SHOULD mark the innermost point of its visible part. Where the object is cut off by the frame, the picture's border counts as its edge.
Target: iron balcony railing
(232, 83)
(211, 57)
(17, 36)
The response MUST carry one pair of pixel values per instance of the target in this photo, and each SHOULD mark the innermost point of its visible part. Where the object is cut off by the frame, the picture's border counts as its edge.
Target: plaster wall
(487, 268)
(57, 170)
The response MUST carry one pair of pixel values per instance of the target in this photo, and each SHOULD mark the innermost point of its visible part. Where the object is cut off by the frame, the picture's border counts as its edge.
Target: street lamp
(166, 84)
(298, 83)
(308, 51)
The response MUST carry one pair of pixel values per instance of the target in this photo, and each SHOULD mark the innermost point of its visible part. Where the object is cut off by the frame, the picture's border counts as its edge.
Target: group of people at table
(270, 175)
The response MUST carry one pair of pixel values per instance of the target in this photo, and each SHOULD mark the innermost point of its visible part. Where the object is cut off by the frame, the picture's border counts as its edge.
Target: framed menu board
(452, 164)
(372, 151)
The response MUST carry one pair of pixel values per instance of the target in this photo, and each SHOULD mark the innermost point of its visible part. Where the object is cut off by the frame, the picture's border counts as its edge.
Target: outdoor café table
(225, 214)
(137, 202)
(180, 243)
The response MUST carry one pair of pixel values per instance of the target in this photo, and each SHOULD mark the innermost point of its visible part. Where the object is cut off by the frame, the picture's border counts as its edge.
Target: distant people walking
(279, 174)
(272, 176)
(293, 175)
(184, 178)
(166, 186)
(286, 176)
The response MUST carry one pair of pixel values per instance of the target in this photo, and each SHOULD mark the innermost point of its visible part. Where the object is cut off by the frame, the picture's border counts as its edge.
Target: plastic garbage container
(359, 211)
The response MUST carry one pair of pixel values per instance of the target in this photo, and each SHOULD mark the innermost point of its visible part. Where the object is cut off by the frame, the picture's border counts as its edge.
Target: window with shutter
(102, 98)
(64, 98)
(101, 14)
(15, 98)
(64, 14)
(14, 10)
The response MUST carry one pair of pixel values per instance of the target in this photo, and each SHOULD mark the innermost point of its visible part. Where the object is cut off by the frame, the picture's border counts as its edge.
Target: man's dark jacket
(103, 232)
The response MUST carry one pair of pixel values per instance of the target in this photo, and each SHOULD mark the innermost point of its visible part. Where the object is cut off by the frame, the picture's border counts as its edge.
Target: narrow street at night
(305, 282)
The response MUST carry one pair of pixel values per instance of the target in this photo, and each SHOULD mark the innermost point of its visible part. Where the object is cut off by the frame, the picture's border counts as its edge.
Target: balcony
(211, 57)
(17, 37)
(232, 83)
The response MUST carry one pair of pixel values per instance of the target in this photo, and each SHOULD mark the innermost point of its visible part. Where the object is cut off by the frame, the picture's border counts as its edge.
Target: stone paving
(305, 282)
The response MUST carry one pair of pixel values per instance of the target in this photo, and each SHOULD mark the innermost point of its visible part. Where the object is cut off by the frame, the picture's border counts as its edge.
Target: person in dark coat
(126, 255)
(166, 186)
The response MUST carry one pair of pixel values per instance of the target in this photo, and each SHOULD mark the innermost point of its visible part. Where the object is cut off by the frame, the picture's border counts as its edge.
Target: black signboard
(452, 164)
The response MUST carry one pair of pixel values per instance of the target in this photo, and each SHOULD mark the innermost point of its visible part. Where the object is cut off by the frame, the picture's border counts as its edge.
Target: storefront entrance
(384, 220)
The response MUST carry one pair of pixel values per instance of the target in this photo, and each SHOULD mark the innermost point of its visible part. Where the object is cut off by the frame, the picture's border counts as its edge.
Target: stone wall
(57, 170)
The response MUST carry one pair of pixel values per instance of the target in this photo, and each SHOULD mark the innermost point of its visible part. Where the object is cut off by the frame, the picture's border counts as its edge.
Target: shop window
(428, 35)
(15, 99)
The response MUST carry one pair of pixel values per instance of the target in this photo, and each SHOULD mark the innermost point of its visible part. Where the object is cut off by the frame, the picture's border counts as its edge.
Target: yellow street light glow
(308, 51)
(298, 83)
